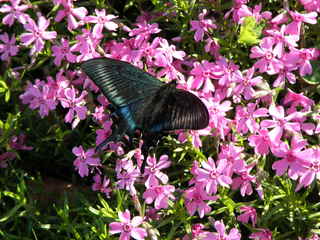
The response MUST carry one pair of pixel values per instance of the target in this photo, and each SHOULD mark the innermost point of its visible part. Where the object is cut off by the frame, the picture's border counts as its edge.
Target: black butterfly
(143, 102)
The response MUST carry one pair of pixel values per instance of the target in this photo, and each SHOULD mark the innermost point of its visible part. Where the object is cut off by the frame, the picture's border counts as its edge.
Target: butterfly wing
(122, 83)
(171, 109)
(144, 101)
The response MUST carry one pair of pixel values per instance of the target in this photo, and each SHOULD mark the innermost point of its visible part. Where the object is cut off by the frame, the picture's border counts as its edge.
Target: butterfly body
(143, 102)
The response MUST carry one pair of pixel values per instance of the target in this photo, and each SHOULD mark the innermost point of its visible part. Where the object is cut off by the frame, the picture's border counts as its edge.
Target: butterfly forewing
(120, 82)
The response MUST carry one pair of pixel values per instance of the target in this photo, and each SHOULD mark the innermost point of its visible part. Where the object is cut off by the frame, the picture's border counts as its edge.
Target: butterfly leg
(128, 141)
(132, 137)
(149, 140)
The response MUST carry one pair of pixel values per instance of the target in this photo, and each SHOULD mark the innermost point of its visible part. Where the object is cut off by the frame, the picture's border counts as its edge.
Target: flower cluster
(47, 95)
(248, 117)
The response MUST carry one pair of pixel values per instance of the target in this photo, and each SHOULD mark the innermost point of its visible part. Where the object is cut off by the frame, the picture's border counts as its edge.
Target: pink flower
(295, 100)
(246, 117)
(39, 96)
(101, 185)
(301, 59)
(280, 122)
(128, 227)
(18, 143)
(286, 72)
(313, 237)
(61, 52)
(125, 51)
(203, 74)
(83, 81)
(166, 53)
(194, 135)
(226, 72)
(160, 195)
(148, 51)
(102, 20)
(246, 83)
(311, 164)
(103, 134)
(212, 47)
(6, 156)
(311, 5)
(86, 45)
(282, 40)
(117, 148)
(59, 84)
(244, 180)
(212, 176)
(249, 213)
(37, 34)
(233, 155)
(127, 177)
(294, 27)
(71, 13)
(202, 26)
(263, 234)
(289, 157)
(195, 198)
(281, 18)
(125, 163)
(99, 114)
(245, 11)
(170, 72)
(197, 232)
(235, 10)
(317, 119)
(267, 56)
(152, 214)
(8, 48)
(143, 32)
(153, 171)
(84, 160)
(221, 233)
(15, 11)
(217, 111)
(139, 156)
(75, 104)
(261, 142)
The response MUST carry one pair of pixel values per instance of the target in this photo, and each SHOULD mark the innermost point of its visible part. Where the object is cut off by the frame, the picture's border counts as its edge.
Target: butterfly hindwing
(171, 109)
(121, 82)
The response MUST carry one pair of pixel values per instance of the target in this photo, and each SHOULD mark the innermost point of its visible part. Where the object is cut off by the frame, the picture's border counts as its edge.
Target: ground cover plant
(253, 173)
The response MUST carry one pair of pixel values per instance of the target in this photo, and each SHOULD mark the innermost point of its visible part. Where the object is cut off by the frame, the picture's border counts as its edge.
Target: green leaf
(4, 89)
(7, 96)
(12, 195)
(155, 2)
(314, 78)
(106, 210)
(11, 212)
(3, 84)
(250, 31)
